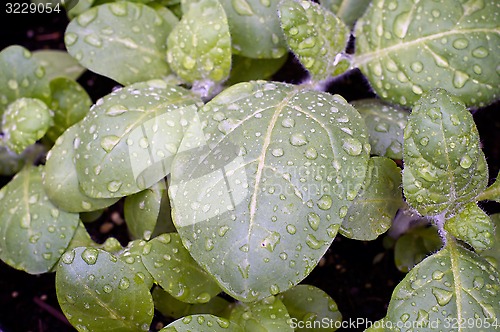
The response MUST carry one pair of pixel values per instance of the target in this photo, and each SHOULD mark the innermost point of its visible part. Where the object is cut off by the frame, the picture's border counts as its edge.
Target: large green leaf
(198, 48)
(385, 124)
(347, 10)
(202, 322)
(493, 254)
(58, 64)
(444, 166)
(22, 76)
(175, 271)
(121, 40)
(60, 180)
(269, 189)
(33, 232)
(132, 256)
(453, 286)
(255, 28)
(375, 207)
(407, 47)
(308, 305)
(268, 314)
(315, 35)
(127, 142)
(98, 292)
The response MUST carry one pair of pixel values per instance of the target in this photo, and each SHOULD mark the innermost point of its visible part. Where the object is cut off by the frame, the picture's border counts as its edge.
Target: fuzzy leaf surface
(128, 140)
(33, 232)
(309, 304)
(120, 40)
(385, 124)
(202, 322)
(314, 35)
(199, 47)
(97, 291)
(406, 48)
(269, 314)
(454, 283)
(347, 10)
(444, 166)
(58, 64)
(492, 192)
(274, 157)
(374, 208)
(413, 246)
(493, 254)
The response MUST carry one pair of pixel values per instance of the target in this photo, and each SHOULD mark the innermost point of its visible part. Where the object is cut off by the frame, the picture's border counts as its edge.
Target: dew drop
(68, 257)
(242, 7)
(298, 139)
(90, 255)
(93, 40)
(466, 162)
(424, 141)
(70, 38)
(352, 146)
(325, 202)
(459, 79)
(401, 24)
(460, 43)
(314, 220)
(203, 298)
(222, 230)
(480, 52)
(116, 110)
(109, 142)
(291, 229)
(343, 211)
(288, 123)
(278, 152)
(311, 153)
(417, 66)
(312, 242)
(442, 296)
(107, 289)
(114, 186)
(118, 8)
(124, 283)
(274, 289)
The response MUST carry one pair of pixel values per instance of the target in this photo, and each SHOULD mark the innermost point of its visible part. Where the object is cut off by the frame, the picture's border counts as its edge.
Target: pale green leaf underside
(176, 272)
(269, 314)
(60, 180)
(347, 10)
(385, 124)
(96, 291)
(454, 284)
(33, 232)
(274, 157)
(309, 304)
(199, 47)
(314, 35)
(444, 166)
(202, 322)
(374, 208)
(406, 48)
(413, 246)
(58, 64)
(124, 41)
(128, 140)
(493, 254)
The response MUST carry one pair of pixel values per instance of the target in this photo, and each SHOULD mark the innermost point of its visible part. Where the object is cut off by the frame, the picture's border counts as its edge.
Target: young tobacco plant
(239, 185)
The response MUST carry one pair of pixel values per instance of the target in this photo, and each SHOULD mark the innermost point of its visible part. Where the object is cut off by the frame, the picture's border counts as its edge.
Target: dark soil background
(360, 276)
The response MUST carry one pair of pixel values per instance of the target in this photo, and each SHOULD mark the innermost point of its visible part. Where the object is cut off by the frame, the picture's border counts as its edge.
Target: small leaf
(268, 314)
(121, 40)
(81, 238)
(176, 272)
(375, 207)
(24, 122)
(413, 246)
(315, 35)
(78, 7)
(128, 140)
(444, 166)
(347, 10)
(473, 226)
(199, 47)
(202, 322)
(70, 103)
(96, 291)
(33, 232)
(491, 193)
(454, 284)
(58, 64)
(22, 76)
(11, 163)
(255, 28)
(385, 124)
(60, 180)
(141, 210)
(132, 256)
(493, 255)
(245, 69)
(309, 306)
(454, 45)
(275, 157)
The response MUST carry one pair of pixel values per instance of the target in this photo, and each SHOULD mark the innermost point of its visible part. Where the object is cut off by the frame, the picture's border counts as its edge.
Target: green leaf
(33, 232)
(24, 122)
(128, 140)
(202, 322)
(97, 291)
(132, 256)
(175, 271)
(81, 238)
(385, 123)
(245, 69)
(121, 40)
(199, 47)
(347, 10)
(473, 226)
(309, 306)
(375, 207)
(269, 314)
(454, 284)
(255, 28)
(58, 64)
(444, 166)
(141, 210)
(315, 35)
(406, 48)
(10, 162)
(70, 103)
(275, 157)
(22, 76)
(413, 246)
(493, 254)
(60, 180)
(80, 7)
(171, 307)
(492, 193)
